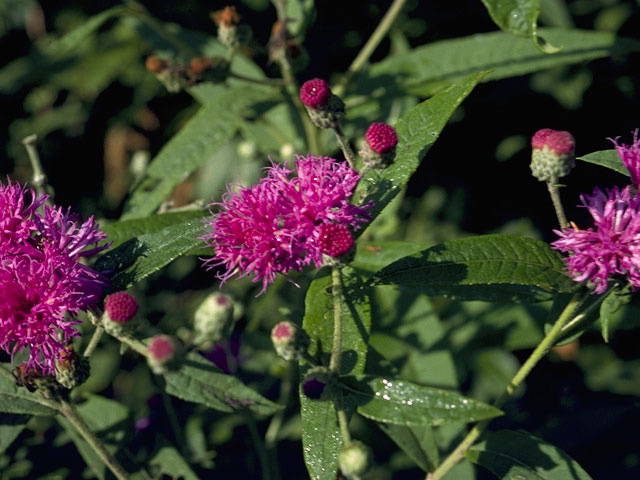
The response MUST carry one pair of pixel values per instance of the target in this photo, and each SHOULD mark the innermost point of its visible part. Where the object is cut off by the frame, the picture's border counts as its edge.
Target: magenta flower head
(43, 286)
(315, 93)
(381, 137)
(630, 155)
(553, 154)
(276, 226)
(120, 306)
(612, 246)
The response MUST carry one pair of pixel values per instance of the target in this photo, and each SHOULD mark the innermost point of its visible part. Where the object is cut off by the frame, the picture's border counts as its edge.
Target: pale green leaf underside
(606, 158)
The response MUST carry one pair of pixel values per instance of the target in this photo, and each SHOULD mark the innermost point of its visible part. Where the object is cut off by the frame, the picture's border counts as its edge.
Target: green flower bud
(355, 460)
(289, 341)
(213, 320)
(71, 369)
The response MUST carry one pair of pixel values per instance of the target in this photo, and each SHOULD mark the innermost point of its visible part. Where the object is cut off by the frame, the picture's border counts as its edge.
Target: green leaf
(299, 14)
(496, 268)
(510, 454)
(606, 158)
(417, 442)
(425, 69)
(79, 34)
(123, 230)
(403, 403)
(141, 256)
(321, 438)
(417, 131)
(19, 400)
(109, 420)
(10, 427)
(372, 256)
(168, 461)
(199, 381)
(202, 136)
(611, 305)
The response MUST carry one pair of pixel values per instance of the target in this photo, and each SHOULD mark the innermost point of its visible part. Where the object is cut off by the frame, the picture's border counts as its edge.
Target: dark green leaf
(109, 420)
(168, 461)
(417, 442)
(425, 69)
(300, 13)
(497, 268)
(606, 158)
(372, 256)
(10, 427)
(202, 136)
(78, 35)
(199, 381)
(141, 256)
(509, 455)
(515, 16)
(403, 403)
(321, 437)
(121, 231)
(613, 302)
(19, 400)
(417, 131)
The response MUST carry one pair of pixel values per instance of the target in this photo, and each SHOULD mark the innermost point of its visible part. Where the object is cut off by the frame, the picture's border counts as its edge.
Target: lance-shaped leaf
(141, 256)
(417, 131)
(199, 381)
(509, 454)
(418, 442)
(495, 268)
(19, 400)
(606, 158)
(399, 402)
(321, 438)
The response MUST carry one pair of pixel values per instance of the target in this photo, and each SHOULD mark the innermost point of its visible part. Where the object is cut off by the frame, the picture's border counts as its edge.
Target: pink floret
(630, 156)
(315, 93)
(612, 246)
(381, 138)
(561, 142)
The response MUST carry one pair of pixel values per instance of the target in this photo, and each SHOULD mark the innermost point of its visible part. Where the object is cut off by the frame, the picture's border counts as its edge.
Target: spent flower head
(43, 286)
(275, 226)
(630, 156)
(612, 246)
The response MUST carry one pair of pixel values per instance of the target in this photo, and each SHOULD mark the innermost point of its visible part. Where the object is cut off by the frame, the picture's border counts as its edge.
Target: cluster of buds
(553, 154)
(177, 75)
(164, 353)
(325, 109)
(230, 33)
(213, 320)
(119, 309)
(378, 148)
(289, 341)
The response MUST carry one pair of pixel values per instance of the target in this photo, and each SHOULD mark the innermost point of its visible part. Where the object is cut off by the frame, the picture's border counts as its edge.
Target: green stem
(39, 179)
(376, 37)
(133, 343)
(274, 82)
(259, 446)
(94, 442)
(336, 347)
(557, 204)
(344, 145)
(93, 343)
(540, 351)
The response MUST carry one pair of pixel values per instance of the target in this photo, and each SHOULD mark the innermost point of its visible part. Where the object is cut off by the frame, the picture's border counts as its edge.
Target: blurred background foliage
(100, 115)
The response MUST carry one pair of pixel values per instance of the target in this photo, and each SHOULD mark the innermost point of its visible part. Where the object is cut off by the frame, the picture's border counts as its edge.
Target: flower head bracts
(42, 284)
(630, 155)
(274, 226)
(612, 247)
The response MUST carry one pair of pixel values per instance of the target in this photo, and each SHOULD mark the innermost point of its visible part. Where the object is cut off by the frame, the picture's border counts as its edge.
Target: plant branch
(347, 151)
(554, 192)
(376, 37)
(39, 179)
(273, 82)
(93, 343)
(540, 351)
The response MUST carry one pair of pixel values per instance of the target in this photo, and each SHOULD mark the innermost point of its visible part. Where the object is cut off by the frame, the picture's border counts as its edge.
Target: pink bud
(560, 142)
(120, 306)
(335, 239)
(381, 137)
(162, 348)
(315, 93)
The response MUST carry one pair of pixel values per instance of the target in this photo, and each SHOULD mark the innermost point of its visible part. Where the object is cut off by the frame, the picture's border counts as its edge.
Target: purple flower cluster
(42, 283)
(274, 227)
(612, 246)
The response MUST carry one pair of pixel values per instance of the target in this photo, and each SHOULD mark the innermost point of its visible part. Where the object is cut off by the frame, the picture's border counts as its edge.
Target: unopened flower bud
(213, 319)
(71, 369)
(289, 341)
(553, 154)
(164, 353)
(119, 309)
(325, 109)
(318, 383)
(355, 460)
(335, 239)
(378, 149)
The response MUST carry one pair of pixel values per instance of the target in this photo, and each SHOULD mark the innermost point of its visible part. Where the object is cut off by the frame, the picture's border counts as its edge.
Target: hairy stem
(93, 343)
(554, 192)
(39, 179)
(376, 37)
(71, 414)
(259, 446)
(336, 347)
(540, 351)
(347, 151)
